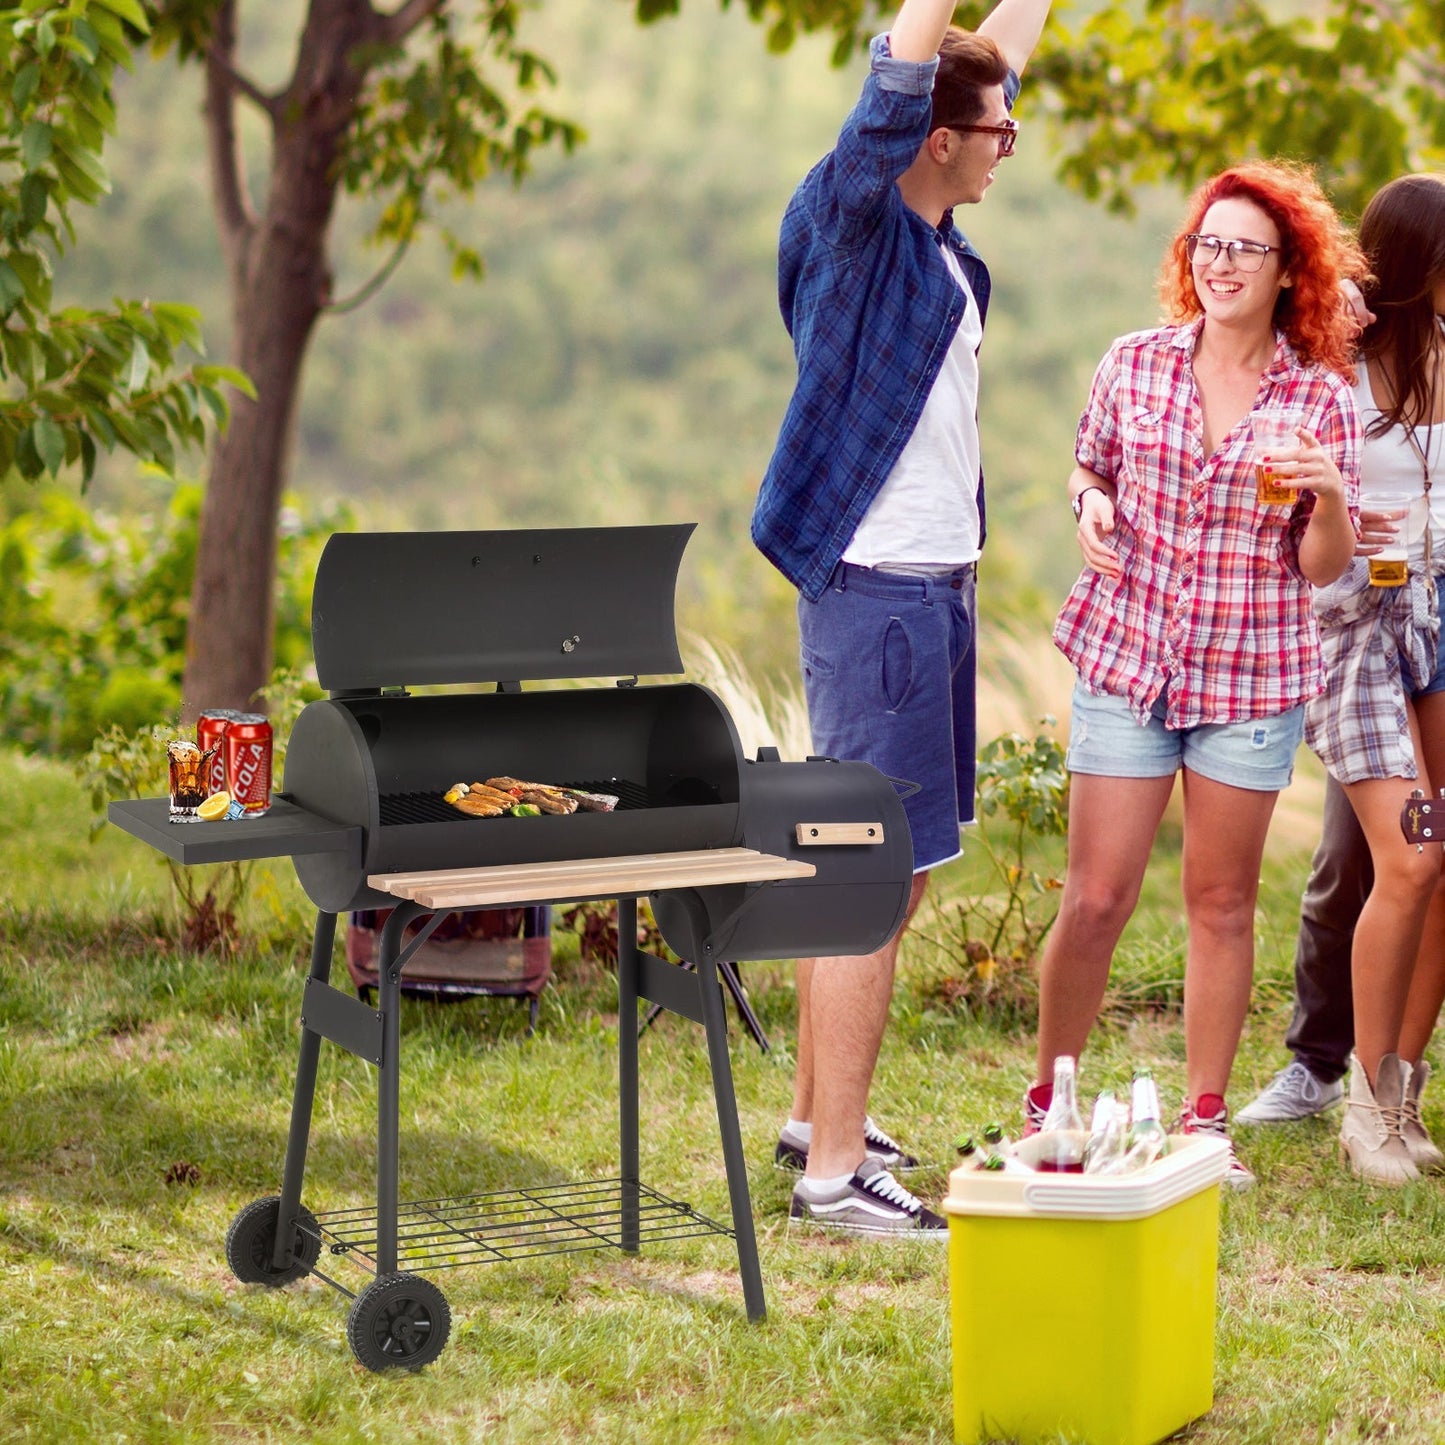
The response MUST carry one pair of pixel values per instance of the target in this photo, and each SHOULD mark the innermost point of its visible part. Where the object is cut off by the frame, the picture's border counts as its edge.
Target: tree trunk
(280, 281)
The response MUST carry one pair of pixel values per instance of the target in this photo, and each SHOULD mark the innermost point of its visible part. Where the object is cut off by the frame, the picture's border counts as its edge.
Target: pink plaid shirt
(1210, 609)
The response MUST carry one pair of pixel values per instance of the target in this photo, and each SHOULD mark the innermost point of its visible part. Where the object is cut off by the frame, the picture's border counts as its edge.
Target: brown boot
(1426, 1156)
(1371, 1132)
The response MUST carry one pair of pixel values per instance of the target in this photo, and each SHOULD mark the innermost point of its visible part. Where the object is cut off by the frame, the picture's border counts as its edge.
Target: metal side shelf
(513, 1224)
(286, 831)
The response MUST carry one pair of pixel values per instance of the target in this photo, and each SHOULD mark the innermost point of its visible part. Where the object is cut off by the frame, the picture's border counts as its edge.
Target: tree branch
(269, 103)
(235, 217)
(368, 289)
(393, 28)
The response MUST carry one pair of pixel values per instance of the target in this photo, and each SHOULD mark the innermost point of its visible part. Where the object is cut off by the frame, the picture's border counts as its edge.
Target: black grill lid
(395, 608)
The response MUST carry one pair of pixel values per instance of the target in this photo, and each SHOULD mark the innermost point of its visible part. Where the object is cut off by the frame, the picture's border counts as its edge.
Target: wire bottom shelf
(513, 1224)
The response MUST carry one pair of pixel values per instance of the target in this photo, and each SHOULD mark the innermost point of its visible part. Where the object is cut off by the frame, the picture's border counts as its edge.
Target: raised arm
(920, 27)
(1015, 26)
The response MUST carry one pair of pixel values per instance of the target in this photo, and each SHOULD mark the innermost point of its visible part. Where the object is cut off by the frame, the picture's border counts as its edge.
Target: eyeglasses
(1246, 255)
(1006, 131)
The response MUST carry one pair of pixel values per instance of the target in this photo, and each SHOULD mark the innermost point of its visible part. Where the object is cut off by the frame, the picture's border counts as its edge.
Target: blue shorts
(888, 669)
(1437, 680)
(1105, 738)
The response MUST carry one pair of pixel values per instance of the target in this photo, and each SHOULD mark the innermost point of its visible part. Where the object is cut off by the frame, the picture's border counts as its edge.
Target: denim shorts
(1105, 739)
(888, 670)
(1437, 679)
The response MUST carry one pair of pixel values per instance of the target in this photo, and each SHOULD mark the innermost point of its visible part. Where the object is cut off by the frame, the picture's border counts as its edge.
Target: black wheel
(251, 1244)
(400, 1322)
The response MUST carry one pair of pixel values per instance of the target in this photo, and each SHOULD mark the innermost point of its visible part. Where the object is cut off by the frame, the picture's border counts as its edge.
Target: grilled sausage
(495, 795)
(479, 807)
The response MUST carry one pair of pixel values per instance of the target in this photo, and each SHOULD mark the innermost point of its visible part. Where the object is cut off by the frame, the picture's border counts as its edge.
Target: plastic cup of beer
(1389, 567)
(1274, 430)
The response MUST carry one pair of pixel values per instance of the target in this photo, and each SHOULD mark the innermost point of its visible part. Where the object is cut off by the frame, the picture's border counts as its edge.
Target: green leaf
(129, 11)
(87, 163)
(214, 375)
(35, 144)
(139, 367)
(87, 459)
(84, 32)
(34, 276)
(49, 442)
(12, 289)
(27, 459)
(179, 324)
(34, 200)
(27, 78)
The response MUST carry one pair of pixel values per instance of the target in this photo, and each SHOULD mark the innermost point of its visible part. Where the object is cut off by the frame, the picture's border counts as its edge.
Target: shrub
(992, 939)
(94, 608)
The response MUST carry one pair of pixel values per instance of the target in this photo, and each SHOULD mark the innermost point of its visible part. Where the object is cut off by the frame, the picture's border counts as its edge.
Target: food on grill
(509, 793)
(480, 807)
(494, 795)
(544, 795)
(593, 802)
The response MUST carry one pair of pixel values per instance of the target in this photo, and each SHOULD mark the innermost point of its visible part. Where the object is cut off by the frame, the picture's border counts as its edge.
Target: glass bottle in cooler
(1105, 1146)
(1059, 1149)
(1147, 1138)
(994, 1138)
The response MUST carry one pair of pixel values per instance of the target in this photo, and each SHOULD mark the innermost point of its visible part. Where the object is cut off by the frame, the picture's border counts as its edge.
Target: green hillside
(624, 360)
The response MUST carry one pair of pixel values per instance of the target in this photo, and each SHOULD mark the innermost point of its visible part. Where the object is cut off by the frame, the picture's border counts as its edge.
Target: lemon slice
(214, 807)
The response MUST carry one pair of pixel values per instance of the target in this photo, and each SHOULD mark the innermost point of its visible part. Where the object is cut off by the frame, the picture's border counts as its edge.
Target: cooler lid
(390, 609)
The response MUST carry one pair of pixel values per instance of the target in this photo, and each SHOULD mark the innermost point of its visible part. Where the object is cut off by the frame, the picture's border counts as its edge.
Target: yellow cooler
(1083, 1307)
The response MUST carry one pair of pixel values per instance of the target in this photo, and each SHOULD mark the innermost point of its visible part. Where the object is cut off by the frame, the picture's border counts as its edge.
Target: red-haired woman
(1191, 627)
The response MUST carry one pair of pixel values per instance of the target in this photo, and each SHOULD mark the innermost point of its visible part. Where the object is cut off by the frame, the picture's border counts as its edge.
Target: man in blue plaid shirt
(873, 508)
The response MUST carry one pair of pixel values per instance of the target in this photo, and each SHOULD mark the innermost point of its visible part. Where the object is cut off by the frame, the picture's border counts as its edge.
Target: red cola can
(246, 747)
(209, 729)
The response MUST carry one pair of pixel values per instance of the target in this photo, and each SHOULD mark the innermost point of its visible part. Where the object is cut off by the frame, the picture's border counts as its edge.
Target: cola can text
(247, 750)
(210, 727)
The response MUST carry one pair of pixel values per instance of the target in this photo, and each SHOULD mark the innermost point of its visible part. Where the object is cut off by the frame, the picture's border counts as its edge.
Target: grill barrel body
(854, 903)
(392, 611)
(382, 762)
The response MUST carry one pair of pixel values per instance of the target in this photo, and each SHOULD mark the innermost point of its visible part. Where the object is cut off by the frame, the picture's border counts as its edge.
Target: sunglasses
(1007, 133)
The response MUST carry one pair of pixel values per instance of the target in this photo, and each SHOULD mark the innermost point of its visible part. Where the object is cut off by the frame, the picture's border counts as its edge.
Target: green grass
(123, 1061)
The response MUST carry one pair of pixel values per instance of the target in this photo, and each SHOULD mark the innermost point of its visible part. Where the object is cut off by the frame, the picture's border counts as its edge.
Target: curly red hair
(1318, 254)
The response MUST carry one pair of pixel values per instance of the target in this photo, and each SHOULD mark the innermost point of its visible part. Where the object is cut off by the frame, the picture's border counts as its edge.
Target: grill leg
(388, 1086)
(629, 1150)
(302, 1099)
(716, 1024)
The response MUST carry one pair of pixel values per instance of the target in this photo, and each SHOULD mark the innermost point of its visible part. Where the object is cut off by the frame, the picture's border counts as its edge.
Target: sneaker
(792, 1150)
(871, 1202)
(1217, 1125)
(1036, 1108)
(1293, 1093)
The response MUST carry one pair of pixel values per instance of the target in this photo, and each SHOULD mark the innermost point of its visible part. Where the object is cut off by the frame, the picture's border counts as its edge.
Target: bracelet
(1077, 503)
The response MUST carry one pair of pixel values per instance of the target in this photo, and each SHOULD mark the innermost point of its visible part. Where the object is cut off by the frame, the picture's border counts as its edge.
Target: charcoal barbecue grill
(740, 858)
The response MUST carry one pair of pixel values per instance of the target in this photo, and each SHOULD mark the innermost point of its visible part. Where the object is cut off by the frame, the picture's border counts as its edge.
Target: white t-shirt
(1388, 464)
(926, 515)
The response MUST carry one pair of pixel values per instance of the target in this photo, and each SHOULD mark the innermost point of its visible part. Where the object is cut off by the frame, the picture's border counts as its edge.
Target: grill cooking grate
(512, 1224)
(398, 809)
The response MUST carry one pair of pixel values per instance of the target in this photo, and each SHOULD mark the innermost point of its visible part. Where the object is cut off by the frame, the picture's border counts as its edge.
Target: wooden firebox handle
(811, 835)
